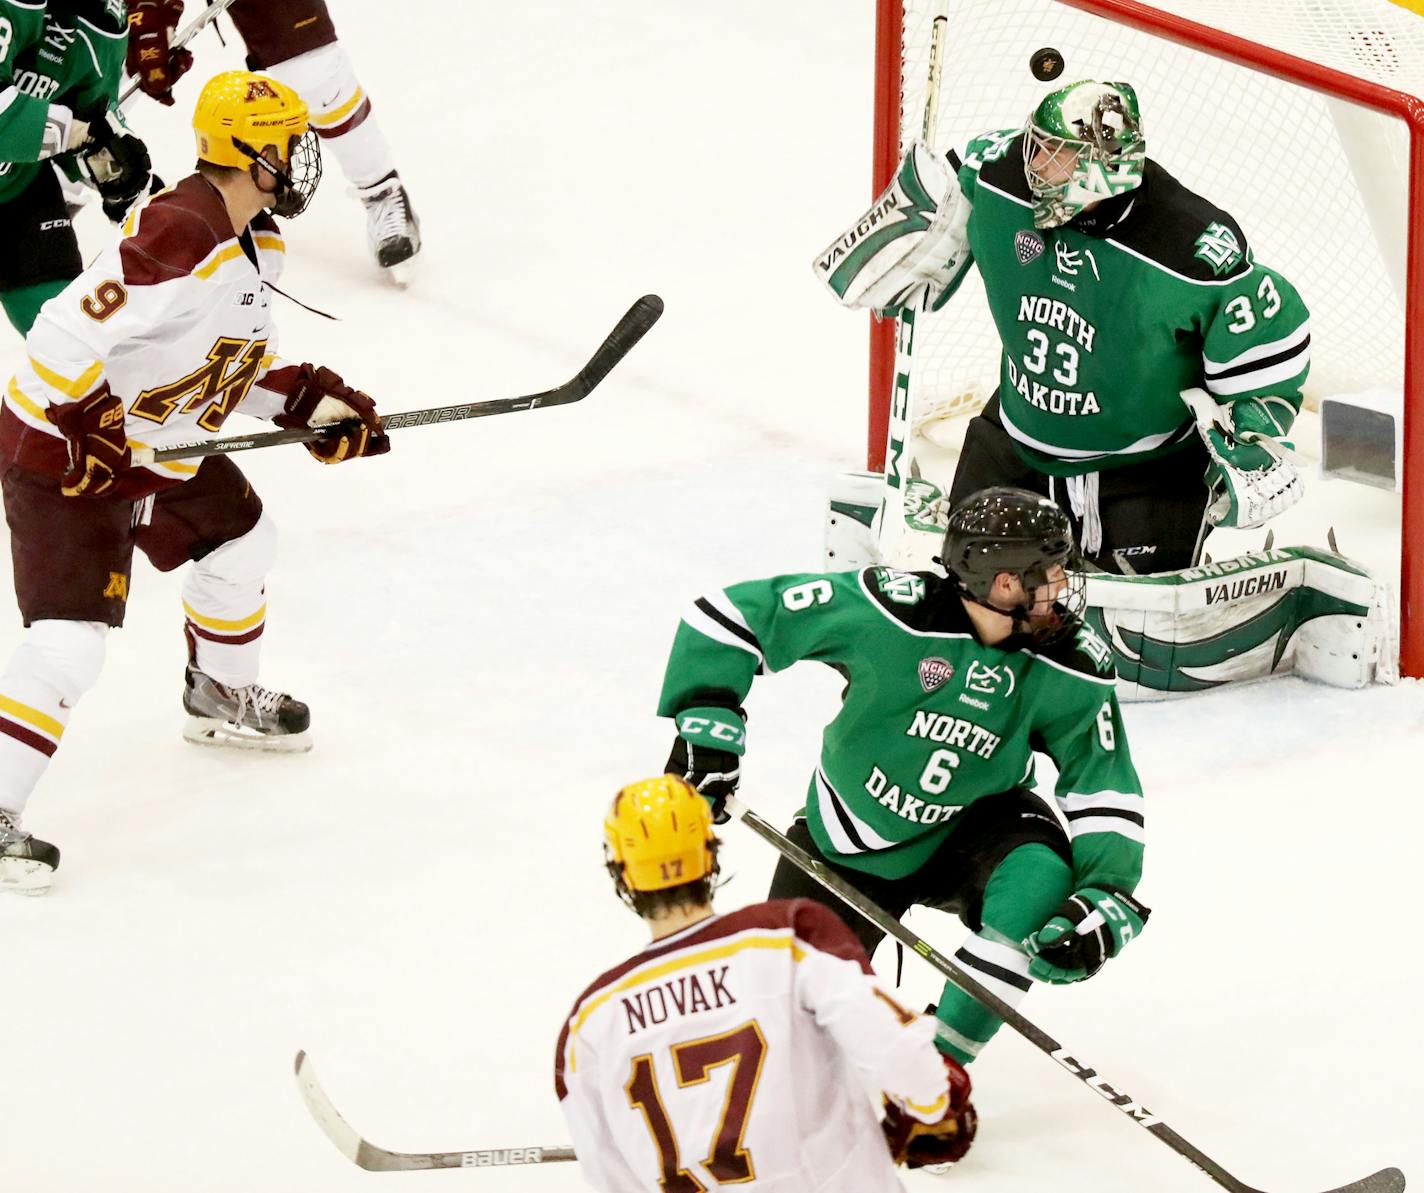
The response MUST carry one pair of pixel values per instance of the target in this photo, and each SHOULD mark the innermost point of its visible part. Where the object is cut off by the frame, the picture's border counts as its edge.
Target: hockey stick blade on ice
(378, 1159)
(634, 325)
(1386, 1180)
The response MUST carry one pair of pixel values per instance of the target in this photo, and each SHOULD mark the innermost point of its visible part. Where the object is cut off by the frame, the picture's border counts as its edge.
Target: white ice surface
(480, 619)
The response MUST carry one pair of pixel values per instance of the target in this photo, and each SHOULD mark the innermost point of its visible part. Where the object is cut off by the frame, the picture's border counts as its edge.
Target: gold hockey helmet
(240, 113)
(658, 834)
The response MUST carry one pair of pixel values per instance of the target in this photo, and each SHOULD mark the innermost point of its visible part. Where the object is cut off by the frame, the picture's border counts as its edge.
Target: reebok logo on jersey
(935, 673)
(1028, 246)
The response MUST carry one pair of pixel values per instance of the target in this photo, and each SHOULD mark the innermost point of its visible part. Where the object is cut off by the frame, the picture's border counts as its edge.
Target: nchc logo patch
(935, 673)
(1028, 245)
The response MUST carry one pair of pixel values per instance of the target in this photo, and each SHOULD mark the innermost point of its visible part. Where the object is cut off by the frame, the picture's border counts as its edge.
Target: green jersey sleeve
(1098, 790)
(84, 75)
(1256, 342)
(726, 639)
(978, 152)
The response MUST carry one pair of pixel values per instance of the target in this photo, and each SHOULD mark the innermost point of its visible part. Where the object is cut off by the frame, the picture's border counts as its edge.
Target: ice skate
(250, 717)
(391, 226)
(27, 864)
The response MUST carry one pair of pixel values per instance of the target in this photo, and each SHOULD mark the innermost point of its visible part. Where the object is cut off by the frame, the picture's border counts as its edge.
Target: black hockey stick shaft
(367, 1155)
(1387, 1180)
(634, 325)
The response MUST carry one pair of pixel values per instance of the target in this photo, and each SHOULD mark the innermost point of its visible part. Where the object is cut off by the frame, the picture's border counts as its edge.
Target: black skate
(250, 717)
(391, 225)
(27, 864)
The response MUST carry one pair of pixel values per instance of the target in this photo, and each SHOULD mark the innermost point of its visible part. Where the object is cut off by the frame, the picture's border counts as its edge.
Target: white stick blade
(337, 1129)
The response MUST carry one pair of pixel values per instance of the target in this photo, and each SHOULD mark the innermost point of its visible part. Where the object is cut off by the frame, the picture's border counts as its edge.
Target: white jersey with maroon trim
(174, 316)
(742, 1051)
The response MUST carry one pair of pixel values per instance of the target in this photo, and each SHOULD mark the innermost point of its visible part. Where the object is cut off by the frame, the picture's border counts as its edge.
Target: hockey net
(1297, 116)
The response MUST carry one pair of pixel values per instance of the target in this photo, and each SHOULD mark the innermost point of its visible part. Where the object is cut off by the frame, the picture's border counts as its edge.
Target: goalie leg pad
(1262, 614)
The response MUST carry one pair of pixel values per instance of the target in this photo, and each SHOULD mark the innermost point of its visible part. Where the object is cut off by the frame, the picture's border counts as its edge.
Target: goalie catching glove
(1252, 475)
(918, 1144)
(909, 249)
(708, 754)
(1088, 927)
(317, 397)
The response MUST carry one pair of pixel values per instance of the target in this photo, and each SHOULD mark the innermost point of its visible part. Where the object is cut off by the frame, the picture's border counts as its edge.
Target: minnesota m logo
(118, 586)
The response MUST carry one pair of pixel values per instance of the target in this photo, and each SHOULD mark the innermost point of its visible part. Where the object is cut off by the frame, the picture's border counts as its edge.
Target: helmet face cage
(1083, 143)
(298, 180)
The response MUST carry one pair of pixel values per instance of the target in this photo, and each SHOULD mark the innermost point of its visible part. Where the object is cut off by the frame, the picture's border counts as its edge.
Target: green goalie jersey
(931, 719)
(46, 59)
(1106, 320)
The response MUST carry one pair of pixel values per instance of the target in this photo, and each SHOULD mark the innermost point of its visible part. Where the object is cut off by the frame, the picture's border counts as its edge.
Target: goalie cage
(1300, 117)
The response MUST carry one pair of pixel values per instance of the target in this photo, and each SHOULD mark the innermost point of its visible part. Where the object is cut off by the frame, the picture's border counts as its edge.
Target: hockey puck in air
(1046, 64)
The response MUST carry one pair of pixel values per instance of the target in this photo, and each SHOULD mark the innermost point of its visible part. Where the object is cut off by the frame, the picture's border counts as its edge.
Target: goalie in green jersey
(923, 791)
(60, 66)
(1114, 291)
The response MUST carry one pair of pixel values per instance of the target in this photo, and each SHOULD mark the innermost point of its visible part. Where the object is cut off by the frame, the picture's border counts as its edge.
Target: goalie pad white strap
(1267, 613)
(910, 247)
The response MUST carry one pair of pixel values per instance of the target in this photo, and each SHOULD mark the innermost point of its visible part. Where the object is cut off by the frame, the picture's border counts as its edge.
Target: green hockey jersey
(1105, 321)
(47, 59)
(931, 718)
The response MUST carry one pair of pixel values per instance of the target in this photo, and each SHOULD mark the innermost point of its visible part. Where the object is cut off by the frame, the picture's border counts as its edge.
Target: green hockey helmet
(1083, 143)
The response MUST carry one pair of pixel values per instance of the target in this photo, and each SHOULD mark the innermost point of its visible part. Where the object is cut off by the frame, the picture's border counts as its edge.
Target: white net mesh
(1318, 185)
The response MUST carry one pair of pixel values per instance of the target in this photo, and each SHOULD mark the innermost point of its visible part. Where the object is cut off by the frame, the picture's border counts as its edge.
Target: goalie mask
(658, 834)
(1003, 529)
(1083, 143)
(247, 120)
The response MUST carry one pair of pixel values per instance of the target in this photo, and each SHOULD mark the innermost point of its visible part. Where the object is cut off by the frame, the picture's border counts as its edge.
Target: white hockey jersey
(740, 1051)
(174, 316)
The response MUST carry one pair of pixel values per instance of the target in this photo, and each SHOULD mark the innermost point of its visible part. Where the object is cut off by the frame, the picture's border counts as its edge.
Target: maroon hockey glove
(916, 1144)
(149, 58)
(306, 386)
(98, 449)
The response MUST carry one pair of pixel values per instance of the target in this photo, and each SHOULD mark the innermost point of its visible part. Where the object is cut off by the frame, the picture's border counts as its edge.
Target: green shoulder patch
(1219, 248)
(1091, 643)
(903, 588)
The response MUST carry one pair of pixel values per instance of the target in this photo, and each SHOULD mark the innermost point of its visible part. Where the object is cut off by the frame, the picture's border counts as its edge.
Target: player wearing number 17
(923, 791)
(157, 342)
(736, 1049)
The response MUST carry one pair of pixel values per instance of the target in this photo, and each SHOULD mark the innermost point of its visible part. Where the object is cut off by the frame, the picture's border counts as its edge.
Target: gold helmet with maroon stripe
(241, 116)
(658, 835)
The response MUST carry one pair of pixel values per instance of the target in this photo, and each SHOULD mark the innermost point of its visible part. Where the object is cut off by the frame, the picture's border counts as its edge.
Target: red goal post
(1367, 312)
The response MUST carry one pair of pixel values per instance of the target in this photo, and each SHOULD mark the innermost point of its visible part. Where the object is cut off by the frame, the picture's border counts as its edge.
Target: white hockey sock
(54, 666)
(340, 112)
(225, 605)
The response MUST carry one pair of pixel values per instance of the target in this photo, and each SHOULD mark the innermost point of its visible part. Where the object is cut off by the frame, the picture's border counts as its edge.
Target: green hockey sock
(22, 305)
(1021, 895)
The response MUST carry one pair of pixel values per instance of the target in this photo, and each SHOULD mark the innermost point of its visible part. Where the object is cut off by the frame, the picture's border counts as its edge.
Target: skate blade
(25, 876)
(401, 274)
(204, 731)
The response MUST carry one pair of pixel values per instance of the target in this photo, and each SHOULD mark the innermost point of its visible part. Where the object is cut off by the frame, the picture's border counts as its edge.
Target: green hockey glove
(708, 754)
(1089, 926)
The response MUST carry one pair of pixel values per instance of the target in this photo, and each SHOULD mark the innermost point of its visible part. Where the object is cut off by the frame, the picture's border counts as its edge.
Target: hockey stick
(378, 1159)
(1386, 1180)
(189, 31)
(630, 329)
